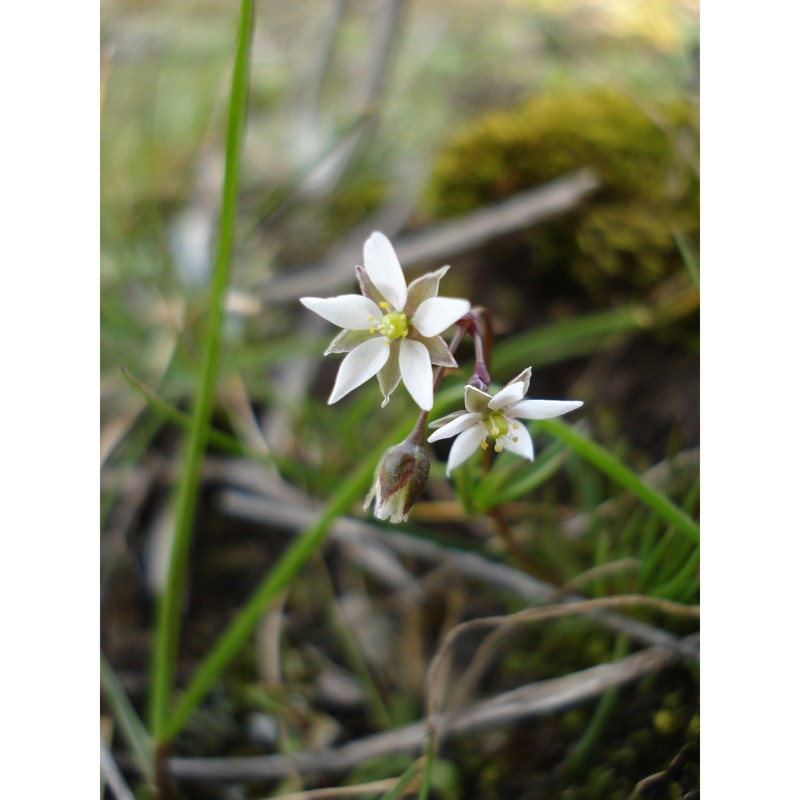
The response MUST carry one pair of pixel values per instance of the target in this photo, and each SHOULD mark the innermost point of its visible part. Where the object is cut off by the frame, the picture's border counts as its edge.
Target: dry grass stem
(535, 699)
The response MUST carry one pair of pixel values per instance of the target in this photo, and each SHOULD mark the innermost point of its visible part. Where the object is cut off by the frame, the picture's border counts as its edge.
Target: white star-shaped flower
(496, 418)
(390, 330)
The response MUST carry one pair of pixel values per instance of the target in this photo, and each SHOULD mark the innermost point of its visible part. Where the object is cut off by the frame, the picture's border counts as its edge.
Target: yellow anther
(384, 304)
(515, 427)
(372, 329)
(404, 334)
(498, 447)
(484, 444)
(515, 438)
(370, 318)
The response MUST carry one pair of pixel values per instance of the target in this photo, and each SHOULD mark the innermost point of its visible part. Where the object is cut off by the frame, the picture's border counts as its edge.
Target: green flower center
(496, 425)
(393, 326)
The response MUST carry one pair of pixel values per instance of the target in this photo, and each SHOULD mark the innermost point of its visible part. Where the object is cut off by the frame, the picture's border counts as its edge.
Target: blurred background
(548, 150)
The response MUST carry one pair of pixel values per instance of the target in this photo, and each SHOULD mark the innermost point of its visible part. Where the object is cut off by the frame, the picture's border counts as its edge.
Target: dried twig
(442, 241)
(439, 669)
(536, 699)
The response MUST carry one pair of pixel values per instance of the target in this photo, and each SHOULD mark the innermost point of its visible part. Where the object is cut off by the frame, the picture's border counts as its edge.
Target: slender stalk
(168, 622)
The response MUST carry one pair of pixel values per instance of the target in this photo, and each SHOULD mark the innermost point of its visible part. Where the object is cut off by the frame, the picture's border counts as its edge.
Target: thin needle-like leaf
(168, 622)
(130, 726)
(624, 476)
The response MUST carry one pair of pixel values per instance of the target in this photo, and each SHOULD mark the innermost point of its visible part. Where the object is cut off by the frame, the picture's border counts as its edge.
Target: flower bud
(400, 479)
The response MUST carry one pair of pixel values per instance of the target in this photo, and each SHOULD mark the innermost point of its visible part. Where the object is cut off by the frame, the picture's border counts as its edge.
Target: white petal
(525, 377)
(510, 393)
(542, 409)
(464, 446)
(415, 368)
(351, 311)
(424, 287)
(389, 374)
(438, 423)
(476, 400)
(438, 313)
(384, 270)
(359, 366)
(455, 427)
(523, 446)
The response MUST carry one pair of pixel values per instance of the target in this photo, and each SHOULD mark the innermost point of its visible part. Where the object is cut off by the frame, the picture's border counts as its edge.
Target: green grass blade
(168, 622)
(130, 726)
(606, 462)
(689, 260)
(283, 573)
(180, 418)
(398, 790)
(524, 480)
(427, 772)
(589, 333)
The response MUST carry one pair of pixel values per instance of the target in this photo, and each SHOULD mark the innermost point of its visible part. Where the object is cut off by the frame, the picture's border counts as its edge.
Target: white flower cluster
(393, 330)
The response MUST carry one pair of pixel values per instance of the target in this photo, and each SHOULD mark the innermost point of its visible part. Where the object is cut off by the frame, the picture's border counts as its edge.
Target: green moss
(620, 243)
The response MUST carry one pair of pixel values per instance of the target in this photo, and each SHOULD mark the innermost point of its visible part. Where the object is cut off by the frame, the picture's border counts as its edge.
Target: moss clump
(619, 244)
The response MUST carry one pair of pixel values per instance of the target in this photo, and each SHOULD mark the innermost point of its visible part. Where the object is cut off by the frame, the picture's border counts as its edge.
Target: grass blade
(606, 462)
(589, 333)
(403, 782)
(283, 573)
(168, 622)
(130, 726)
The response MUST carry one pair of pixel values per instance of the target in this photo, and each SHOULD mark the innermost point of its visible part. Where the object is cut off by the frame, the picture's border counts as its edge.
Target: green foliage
(620, 244)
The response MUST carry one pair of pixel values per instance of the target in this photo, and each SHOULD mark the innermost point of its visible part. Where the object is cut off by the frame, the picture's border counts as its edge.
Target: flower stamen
(393, 326)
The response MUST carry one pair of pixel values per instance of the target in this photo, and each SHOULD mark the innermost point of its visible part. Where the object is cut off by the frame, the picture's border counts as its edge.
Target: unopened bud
(400, 479)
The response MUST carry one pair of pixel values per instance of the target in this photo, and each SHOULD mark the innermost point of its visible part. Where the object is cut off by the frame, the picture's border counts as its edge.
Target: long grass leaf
(168, 622)
(403, 782)
(606, 462)
(277, 580)
(589, 333)
(130, 726)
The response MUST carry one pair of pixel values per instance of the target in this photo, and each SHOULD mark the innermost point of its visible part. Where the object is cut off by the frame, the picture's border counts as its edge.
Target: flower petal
(510, 393)
(415, 368)
(523, 446)
(437, 423)
(384, 270)
(389, 374)
(464, 446)
(345, 341)
(422, 288)
(525, 377)
(359, 366)
(437, 348)
(542, 409)
(437, 314)
(367, 286)
(351, 311)
(476, 400)
(456, 426)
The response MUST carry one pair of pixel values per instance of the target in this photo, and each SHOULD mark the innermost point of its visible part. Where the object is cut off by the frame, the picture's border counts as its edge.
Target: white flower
(390, 329)
(496, 418)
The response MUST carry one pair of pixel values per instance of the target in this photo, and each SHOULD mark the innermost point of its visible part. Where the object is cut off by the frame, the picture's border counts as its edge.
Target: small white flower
(390, 329)
(496, 418)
